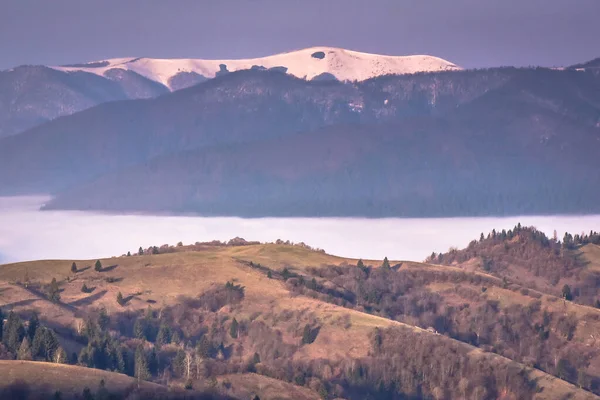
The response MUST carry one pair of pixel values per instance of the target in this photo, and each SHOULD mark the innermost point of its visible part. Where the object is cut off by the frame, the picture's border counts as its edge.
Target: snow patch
(345, 65)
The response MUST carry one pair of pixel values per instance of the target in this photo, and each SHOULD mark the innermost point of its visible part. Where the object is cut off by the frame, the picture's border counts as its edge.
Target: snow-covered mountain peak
(322, 62)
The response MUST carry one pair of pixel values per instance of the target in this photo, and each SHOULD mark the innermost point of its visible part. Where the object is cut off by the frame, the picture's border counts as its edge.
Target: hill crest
(311, 63)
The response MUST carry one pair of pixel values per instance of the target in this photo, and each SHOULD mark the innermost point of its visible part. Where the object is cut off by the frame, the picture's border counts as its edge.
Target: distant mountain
(593, 64)
(311, 63)
(239, 107)
(498, 141)
(32, 95)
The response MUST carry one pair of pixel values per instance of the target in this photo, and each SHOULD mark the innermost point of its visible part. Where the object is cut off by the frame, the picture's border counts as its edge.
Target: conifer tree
(566, 293)
(13, 332)
(233, 329)
(84, 288)
(24, 352)
(120, 299)
(98, 266)
(74, 268)
(141, 364)
(386, 263)
(140, 251)
(54, 291)
(32, 326)
(103, 319)
(360, 264)
(164, 335)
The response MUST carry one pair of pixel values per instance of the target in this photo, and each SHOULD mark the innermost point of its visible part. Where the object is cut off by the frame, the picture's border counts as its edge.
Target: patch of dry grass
(246, 385)
(68, 379)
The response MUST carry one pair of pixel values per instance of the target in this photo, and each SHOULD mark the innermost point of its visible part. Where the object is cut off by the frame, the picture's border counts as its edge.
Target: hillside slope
(274, 292)
(70, 380)
(310, 63)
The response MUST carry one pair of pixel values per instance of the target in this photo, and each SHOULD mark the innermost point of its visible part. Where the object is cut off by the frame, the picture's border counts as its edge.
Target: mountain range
(261, 142)
(31, 95)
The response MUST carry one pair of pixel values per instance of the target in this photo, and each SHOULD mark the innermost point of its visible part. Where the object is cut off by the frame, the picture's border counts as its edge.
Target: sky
(470, 33)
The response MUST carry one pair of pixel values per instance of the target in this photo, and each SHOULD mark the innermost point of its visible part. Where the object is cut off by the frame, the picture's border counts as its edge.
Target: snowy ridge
(307, 64)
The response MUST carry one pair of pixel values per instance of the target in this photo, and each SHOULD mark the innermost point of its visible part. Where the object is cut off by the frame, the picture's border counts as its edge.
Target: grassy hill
(70, 380)
(186, 287)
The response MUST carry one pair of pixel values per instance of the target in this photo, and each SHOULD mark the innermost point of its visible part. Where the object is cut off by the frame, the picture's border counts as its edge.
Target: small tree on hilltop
(140, 251)
(120, 299)
(54, 291)
(74, 268)
(85, 289)
(386, 263)
(98, 266)
(360, 264)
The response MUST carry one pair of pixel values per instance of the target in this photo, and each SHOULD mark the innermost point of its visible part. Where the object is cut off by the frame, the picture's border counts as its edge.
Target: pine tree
(128, 254)
(175, 337)
(308, 335)
(233, 329)
(103, 319)
(269, 275)
(24, 352)
(360, 264)
(140, 251)
(98, 266)
(85, 289)
(153, 362)
(566, 293)
(54, 291)
(164, 335)
(139, 329)
(13, 332)
(32, 325)
(141, 364)
(386, 263)
(74, 268)
(120, 299)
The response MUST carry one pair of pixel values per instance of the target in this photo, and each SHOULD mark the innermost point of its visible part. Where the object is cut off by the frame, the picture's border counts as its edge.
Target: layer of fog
(28, 234)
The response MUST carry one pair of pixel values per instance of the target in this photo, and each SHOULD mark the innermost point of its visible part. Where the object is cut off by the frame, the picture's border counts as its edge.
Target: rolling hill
(306, 318)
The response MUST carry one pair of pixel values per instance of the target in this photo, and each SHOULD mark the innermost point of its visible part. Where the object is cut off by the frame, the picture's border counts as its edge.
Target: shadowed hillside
(489, 142)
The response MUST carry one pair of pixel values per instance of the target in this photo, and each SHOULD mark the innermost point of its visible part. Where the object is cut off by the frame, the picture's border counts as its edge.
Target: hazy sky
(29, 234)
(471, 33)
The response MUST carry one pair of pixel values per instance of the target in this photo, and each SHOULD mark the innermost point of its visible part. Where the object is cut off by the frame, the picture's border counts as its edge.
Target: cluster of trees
(542, 263)
(29, 340)
(528, 333)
